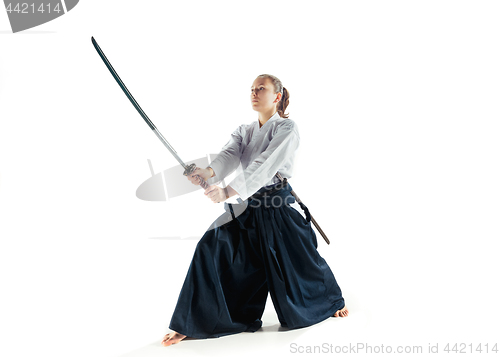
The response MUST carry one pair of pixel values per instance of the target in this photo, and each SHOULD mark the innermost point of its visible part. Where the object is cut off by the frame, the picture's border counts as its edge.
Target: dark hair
(278, 88)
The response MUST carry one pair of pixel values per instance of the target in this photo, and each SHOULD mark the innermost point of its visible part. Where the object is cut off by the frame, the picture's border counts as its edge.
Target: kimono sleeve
(229, 158)
(281, 147)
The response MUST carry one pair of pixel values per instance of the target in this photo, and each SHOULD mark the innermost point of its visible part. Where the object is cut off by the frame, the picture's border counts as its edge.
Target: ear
(278, 98)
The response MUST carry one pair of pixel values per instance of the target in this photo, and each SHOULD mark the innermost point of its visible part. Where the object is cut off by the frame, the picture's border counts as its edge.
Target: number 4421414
(25, 8)
(471, 347)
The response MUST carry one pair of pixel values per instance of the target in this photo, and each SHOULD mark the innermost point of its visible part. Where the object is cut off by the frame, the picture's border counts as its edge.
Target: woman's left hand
(215, 193)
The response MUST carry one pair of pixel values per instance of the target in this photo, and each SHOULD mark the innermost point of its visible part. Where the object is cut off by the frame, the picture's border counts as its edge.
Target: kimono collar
(275, 116)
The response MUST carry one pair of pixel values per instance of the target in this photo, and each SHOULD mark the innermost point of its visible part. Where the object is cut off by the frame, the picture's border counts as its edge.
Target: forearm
(230, 192)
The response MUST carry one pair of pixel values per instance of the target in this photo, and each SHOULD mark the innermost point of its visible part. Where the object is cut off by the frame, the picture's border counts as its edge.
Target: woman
(269, 248)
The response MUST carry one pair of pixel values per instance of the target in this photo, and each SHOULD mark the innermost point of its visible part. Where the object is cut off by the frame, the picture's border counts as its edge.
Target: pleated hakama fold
(269, 248)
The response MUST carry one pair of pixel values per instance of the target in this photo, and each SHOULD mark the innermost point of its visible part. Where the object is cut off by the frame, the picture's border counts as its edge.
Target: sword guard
(189, 169)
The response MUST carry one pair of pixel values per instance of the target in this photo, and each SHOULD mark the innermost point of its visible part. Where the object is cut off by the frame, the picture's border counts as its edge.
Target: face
(262, 95)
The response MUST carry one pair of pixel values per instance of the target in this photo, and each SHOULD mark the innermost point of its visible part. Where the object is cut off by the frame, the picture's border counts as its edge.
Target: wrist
(230, 192)
(211, 172)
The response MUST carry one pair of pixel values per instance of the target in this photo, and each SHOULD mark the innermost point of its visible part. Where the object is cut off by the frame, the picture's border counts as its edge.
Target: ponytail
(283, 103)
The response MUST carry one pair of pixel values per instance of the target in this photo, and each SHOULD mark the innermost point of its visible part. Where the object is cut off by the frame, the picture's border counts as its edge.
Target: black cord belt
(270, 190)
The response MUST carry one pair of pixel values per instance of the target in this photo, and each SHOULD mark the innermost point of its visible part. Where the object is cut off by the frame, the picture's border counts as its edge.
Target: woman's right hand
(204, 173)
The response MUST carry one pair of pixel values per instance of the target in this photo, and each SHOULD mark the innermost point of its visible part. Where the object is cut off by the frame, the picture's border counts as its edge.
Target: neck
(265, 116)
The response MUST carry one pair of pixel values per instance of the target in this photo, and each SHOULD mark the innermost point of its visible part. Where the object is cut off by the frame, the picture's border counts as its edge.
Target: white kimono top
(261, 151)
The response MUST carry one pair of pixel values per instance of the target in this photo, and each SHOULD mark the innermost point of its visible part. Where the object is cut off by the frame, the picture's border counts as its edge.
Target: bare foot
(172, 338)
(342, 312)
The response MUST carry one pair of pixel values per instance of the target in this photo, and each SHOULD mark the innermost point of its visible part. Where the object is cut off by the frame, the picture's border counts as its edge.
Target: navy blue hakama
(270, 247)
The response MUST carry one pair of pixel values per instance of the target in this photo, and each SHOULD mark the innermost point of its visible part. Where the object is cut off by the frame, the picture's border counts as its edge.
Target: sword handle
(189, 169)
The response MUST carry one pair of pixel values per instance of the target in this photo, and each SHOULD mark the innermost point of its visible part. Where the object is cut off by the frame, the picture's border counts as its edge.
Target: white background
(397, 108)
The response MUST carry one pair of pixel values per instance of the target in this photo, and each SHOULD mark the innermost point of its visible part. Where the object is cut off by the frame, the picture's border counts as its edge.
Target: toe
(166, 339)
